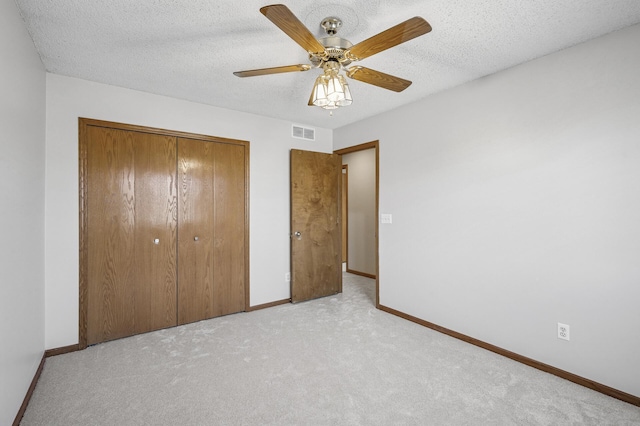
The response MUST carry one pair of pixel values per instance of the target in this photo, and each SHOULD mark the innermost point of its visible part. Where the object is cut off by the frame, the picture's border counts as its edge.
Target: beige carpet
(331, 361)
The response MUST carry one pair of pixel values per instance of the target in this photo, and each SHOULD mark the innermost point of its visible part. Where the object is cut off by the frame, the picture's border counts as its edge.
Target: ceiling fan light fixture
(346, 99)
(320, 92)
(335, 91)
(333, 53)
(331, 90)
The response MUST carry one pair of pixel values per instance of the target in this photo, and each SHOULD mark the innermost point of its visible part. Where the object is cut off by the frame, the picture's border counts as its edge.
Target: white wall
(516, 205)
(362, 210)
(22, 120)
(270, 142)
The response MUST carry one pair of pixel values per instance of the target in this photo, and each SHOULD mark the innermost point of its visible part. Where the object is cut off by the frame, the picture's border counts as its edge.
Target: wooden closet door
(132, 218)
(229, 221)
(211, 222)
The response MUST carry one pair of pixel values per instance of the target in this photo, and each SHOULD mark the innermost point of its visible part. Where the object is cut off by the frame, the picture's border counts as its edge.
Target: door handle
(298, 235)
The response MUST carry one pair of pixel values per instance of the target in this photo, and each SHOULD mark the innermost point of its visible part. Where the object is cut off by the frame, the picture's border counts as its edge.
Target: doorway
(362, 198)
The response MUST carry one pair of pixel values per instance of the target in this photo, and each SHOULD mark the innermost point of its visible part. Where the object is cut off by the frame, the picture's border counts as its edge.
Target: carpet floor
(330, 361)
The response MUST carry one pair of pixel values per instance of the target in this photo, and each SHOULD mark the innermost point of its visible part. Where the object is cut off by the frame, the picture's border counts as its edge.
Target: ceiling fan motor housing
(335, 48)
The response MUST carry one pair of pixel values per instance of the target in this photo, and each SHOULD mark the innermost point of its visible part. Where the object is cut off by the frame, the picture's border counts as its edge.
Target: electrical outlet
(386, 218)
(287, 277)
(564, 331)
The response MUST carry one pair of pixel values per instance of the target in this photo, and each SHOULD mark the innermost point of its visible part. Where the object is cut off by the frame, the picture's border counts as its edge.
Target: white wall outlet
(563, 331)
(287, 277)
(386, 218)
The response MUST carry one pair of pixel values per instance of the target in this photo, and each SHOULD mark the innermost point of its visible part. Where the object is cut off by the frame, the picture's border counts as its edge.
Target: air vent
(303, 133)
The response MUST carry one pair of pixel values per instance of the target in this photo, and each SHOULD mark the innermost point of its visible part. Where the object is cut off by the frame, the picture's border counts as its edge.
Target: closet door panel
(196, 223)
(211, 248)
(131, 202)
(229, 240)
(155, 232)
(110, 245)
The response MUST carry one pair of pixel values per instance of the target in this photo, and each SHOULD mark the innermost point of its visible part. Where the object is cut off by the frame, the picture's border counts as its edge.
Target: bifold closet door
(211, 223)
(132, 215)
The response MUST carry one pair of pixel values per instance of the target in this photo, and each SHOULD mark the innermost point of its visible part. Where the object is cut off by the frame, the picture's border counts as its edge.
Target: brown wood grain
(212, 208)
(377, 78)
(130, 202)
(229, 242)
(110, 218)
(196, 224)
(83, 279)
(155, 218)
(316, 269)
(405, 31)
(273, 70)
(147, 305)
(61, 350)
(89, 122)
(284, 19)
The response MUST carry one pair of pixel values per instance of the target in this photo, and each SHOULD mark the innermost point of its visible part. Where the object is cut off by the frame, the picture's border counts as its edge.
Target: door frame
(362, 147)
(344, 213)
(83, 142)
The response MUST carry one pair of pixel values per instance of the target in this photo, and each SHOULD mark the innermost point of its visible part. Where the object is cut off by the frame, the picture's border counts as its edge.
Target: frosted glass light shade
(320, 92)
(331, 91)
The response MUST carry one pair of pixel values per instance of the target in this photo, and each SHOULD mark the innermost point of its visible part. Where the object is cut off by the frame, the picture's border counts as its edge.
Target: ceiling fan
(332, 53)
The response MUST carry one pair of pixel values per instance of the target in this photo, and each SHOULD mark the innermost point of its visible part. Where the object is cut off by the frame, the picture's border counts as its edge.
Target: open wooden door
(316, 268)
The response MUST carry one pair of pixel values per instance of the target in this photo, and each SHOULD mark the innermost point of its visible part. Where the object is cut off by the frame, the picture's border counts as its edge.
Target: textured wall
(515, 203)
(22, 120)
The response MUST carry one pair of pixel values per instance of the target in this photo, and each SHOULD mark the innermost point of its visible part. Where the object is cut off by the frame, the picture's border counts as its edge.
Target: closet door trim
(83, 141)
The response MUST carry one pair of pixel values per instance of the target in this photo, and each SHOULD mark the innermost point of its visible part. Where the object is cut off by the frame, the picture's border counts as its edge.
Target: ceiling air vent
(303, 133)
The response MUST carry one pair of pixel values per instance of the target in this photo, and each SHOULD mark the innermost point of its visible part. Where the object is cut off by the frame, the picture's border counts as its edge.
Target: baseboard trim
(48, 353)
(60, 351)
(362, 274)
(269, 305)
(27, 398)
(598, 387)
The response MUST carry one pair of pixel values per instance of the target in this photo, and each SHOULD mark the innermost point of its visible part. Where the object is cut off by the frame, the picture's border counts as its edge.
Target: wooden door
(131, 211)
(211, 216)
(316, 269)
(229, 242)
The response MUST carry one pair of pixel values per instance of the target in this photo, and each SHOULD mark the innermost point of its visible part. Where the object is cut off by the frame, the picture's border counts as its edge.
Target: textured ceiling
(190, 49)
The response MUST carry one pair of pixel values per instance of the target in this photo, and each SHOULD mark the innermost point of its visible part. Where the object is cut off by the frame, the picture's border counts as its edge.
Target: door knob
(195, 238)
(298, 235)
(156, 241)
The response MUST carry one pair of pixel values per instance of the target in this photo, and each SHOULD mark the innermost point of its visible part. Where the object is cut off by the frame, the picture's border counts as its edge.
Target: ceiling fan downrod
(331, 25)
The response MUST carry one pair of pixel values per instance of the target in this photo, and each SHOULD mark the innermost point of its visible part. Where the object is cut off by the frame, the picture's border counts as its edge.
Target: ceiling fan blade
(284, 19)
(377, 78)
(394, 36)
(274, 70)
